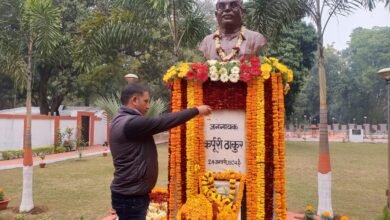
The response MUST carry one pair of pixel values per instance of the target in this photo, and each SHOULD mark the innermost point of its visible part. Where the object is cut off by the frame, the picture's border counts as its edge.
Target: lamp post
(385, 73)
(296, 125)
(364, 125)
(333, 118)
(304, 126)
(131, 78)
(354, 123)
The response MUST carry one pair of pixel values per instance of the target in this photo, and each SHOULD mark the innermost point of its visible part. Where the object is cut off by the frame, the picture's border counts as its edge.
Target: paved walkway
(52, 158)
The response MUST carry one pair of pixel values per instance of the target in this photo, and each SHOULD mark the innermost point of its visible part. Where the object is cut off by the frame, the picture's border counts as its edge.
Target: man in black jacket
(134, 151)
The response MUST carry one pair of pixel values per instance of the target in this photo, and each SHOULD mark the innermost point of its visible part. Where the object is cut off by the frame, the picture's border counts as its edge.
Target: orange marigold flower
(309, 208)
(326, 214)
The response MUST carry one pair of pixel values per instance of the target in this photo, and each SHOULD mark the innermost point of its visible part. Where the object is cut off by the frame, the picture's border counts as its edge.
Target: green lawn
(74, 189)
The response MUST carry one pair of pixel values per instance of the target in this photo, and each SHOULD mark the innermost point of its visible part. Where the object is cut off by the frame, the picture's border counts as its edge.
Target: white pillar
(27, 203)
(325, 193)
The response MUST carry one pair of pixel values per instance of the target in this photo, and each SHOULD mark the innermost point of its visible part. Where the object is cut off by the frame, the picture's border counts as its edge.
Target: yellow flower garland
(268, 66)
(260, 151)
(196, 207)
(278, 158)
(190, 147)
(200, 153)
(255, 142)
(174, 162)
(228, 207)
(282, 165)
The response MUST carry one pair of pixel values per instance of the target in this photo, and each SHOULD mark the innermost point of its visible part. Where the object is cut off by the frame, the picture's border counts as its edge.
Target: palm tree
(35, 26)
(111, 105)
(269, 17)
(320, 11)
(186, 21)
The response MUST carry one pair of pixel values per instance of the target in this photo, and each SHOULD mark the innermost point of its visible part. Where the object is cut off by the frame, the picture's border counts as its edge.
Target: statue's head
(229, 13)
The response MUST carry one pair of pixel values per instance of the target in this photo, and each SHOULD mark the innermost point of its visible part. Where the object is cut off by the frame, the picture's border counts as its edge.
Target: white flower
(235, 70)
(212, 62)
(223, 71)
(234, 77)
(213, 69)
(214, 76)
(224, 78)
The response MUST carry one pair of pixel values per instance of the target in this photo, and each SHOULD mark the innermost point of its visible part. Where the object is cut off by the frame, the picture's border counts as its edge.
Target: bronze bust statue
(232, 40)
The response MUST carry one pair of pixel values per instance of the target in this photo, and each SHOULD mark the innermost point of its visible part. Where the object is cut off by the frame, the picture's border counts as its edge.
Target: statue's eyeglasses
(225, 5)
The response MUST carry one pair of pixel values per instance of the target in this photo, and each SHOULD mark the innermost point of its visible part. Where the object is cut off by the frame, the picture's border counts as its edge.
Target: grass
(359, 173)
(74, 189)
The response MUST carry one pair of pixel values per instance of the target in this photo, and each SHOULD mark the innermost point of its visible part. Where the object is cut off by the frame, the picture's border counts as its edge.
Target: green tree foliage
(369, 51)
(102, 40)
(135, 36)
(31, 32)
(269, 17)
(296, 49)
(354, 88)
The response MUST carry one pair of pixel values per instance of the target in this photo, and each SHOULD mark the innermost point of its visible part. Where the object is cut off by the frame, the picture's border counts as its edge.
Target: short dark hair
(131, 90)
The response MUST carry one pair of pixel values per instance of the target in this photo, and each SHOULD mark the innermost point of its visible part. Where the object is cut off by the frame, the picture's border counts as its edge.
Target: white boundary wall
(43, 131)
(11, 134)
(100, 132)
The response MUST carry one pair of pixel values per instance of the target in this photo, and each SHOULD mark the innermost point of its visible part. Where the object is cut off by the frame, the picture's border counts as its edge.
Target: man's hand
(204, 110)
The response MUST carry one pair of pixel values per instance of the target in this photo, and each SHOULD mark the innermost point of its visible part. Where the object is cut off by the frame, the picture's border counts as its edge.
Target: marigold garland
(282, 165)
(251, 134)
(190, 146)
(260, 92)
(159, 195)
(200, 153)
(196, 207)
(277, 157)
(174, 154)
(231, 71)
(260, 151)
(228, 206)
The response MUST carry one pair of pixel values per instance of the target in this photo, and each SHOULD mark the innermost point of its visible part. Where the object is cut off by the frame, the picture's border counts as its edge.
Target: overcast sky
(340, 28)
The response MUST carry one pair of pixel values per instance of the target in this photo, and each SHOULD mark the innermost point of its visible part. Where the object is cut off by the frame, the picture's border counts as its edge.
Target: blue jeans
(130, 207)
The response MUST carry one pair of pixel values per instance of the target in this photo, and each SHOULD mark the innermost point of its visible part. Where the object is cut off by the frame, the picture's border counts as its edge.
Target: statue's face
(229, 13)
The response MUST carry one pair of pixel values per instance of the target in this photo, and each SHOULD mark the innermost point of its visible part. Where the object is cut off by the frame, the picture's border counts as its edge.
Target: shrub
(309, 213)
(1, 194)
(15, 154)
(60, 149)
(385, 214)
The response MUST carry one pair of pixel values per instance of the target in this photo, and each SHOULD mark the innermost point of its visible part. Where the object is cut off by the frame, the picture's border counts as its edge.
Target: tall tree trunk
(43, 81)
(15, 95)
(57, 101)
(324, 167)
(27, 203)
(174, 27)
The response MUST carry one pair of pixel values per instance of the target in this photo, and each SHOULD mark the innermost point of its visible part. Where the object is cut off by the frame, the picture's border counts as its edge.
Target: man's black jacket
(134, 151)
